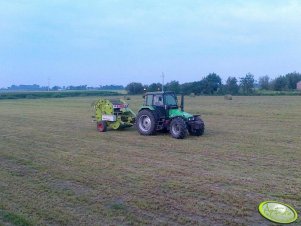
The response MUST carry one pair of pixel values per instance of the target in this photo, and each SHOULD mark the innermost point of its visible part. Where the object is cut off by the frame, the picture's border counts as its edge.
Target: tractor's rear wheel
(178, 128)
(146, 122)
(101, 126)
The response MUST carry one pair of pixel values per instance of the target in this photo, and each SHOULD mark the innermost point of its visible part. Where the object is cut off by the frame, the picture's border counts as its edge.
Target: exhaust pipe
(182, 102)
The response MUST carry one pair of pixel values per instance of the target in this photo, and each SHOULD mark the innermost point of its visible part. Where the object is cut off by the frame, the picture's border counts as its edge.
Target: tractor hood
(178, 113)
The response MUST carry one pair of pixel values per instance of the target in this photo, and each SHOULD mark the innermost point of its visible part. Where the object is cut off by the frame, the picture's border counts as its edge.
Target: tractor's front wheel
(146, 122)
(197, 128)
(178, 128)
(101, 126)
(197, 132)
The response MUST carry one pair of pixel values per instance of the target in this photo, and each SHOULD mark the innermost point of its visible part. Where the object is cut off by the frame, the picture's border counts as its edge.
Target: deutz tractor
(160, 112)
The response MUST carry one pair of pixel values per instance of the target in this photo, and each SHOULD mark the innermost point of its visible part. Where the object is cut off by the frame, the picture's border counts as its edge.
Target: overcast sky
(98, 42)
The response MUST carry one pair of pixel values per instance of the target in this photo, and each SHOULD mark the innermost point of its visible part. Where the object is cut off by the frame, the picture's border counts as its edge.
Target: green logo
(278, 212)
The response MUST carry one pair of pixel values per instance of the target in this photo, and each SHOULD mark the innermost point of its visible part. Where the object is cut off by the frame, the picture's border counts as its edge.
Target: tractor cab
(161, 103)
(168, 100)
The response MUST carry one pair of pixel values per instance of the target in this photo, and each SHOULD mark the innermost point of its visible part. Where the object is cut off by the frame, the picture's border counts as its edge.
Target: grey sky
(98, 42)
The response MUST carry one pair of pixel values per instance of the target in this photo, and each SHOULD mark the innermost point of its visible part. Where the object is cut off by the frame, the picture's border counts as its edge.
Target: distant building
(299, 85)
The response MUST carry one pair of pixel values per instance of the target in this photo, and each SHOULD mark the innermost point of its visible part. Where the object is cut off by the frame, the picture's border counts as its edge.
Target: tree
(173, 86)
(56, 88)
(191, 87)
(247, 84)
(280, 83)
(231, 86)
(264, 82)
(211, 83)
(134, 88)
(154, 87)
(186, 88)
(292, 79)
(80, 87)
(111, 87)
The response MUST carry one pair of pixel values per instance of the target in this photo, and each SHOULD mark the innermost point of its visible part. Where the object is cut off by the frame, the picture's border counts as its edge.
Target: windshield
(170, 100)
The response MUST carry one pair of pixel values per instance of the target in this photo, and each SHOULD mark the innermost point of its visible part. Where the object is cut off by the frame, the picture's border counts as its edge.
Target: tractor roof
(160, 92)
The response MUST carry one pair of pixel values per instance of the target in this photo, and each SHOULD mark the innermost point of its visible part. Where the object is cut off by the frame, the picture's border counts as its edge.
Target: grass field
(57, 94)
(55, 169)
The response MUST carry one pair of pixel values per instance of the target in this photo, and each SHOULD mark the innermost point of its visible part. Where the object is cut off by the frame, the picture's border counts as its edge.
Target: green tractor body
(160, 112)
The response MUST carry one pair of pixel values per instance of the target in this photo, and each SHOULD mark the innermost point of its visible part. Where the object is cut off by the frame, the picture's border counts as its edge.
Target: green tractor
(161, 112)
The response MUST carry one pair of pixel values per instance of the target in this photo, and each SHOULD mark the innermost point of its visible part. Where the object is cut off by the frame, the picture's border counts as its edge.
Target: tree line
(212, 85)
(36, 87)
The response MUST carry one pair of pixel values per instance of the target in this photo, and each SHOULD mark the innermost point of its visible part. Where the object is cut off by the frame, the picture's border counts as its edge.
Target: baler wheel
(101, 126)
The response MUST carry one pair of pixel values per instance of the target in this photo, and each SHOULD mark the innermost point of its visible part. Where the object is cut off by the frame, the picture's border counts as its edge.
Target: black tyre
(101, 126)
(197, 132)
(146, 122)
(178, 128)
(200, 130)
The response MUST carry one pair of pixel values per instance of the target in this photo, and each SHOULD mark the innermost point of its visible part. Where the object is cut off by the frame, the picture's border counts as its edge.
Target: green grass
(56, 94)
(55, 169)
(7, 217)
(277, 93)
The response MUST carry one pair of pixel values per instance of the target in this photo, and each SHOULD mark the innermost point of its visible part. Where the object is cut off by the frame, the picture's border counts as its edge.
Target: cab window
(158, 100)
(149, 100)
(170, 100)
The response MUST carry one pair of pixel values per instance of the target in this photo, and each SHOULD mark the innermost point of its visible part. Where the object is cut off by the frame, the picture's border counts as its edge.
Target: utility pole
(163, 81)
(48, 83)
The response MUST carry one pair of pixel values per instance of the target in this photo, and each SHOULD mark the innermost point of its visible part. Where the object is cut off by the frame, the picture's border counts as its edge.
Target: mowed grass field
(56, 169)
